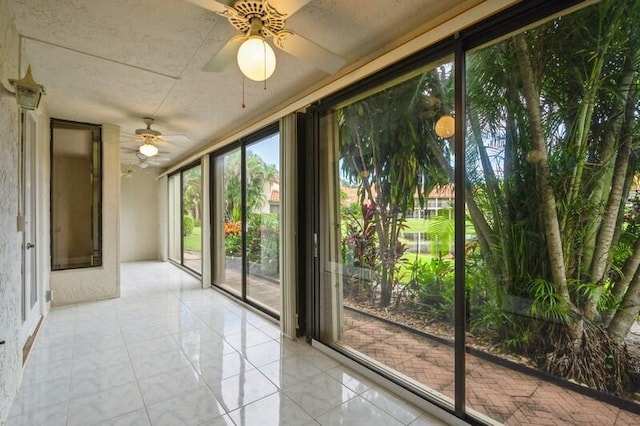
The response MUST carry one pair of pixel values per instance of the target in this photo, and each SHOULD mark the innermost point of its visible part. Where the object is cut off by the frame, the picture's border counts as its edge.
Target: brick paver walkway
(505, 395)
(501, 393)
(259, 290)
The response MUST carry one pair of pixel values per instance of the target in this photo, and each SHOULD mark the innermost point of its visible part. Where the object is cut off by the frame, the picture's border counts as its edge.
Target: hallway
(169, 353)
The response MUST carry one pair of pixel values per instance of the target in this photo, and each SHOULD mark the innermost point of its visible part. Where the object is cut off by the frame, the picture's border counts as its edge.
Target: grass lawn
(193, 241)
(420, 225)
(416, 225)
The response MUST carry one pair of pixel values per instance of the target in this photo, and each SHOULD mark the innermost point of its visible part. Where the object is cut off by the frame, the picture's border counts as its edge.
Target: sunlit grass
(193, 241)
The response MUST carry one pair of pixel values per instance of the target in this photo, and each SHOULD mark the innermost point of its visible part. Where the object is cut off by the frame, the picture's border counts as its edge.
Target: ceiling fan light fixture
(256, 58)
(148, 150)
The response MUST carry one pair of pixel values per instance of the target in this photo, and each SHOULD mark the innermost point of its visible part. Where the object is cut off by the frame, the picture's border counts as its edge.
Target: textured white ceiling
(117, 61)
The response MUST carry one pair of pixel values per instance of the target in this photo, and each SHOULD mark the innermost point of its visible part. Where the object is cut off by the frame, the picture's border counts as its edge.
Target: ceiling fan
(258, 20)
(150, 139)
(141, 161)
(144, 161)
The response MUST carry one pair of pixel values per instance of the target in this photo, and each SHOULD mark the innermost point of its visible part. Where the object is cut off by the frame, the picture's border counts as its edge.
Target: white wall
(81, 285)
(10, 243)
(139, 222)
(10, 239)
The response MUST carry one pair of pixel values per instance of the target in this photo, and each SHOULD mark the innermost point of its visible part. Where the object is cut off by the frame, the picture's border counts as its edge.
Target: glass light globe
(148, 150)
(445, 126)
(256, 59)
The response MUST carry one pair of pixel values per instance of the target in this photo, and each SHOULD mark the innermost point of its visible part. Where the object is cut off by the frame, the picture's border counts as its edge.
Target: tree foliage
(258, 174)
(558, 105)
(383, 150)
(552, 160)
(192, 193)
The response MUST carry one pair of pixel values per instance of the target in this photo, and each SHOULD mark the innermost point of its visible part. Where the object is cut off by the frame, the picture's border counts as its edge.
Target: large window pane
(262, 192)
(387, 229)
(552, 273)
(227, 222)
(192, 218)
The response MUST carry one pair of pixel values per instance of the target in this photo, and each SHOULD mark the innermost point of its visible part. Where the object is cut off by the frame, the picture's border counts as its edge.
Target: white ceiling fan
(141, 161)
(144, 161)
(150, 139)
(258, 20)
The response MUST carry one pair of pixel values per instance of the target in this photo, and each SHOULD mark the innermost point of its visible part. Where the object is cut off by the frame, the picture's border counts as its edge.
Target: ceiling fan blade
(288, 7)
(127, 137)
(176, 139)
(211, 5)
(224, 56)
(308, 51)
(158, 161)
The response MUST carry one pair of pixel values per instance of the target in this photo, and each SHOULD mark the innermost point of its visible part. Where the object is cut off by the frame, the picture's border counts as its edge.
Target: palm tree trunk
(626, 314)
(486, 236)
(548, 200)
(609, 221)
(629, 271)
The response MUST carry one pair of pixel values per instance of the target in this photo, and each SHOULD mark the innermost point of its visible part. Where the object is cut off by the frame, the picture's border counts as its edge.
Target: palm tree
(258, 174)
(191, 192)
(385, 145)
(560, 103)
(552, 152)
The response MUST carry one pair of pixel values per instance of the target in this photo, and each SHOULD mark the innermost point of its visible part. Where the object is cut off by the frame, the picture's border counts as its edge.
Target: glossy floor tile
(170, 353)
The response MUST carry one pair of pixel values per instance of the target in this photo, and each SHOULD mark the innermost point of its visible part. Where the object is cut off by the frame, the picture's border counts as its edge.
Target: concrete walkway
(505, 395)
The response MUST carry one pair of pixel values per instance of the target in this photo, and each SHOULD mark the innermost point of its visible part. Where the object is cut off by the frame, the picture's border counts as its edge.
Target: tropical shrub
(232, 239)
(188, 222)
(431, 288)
(263, 240)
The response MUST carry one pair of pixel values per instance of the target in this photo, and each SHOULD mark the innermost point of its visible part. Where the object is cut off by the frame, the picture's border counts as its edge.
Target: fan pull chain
(264, 57)
(243, 105)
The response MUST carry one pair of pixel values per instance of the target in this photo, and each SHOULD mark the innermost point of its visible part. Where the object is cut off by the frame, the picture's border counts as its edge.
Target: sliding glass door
(476, 219)
(387, 227)
(227, 223)
(185, 218)
(192, 218)
(262, 194)
(175, 221)
(246, 221)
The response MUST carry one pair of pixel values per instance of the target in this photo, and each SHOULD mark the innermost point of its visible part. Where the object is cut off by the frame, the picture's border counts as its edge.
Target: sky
(268, 150)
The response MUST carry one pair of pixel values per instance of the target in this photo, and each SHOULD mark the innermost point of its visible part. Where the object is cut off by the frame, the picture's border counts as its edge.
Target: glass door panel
(262, 194)
(174, 219)
(554, 203)
(192, 218)
(227, 222)
(387, 229)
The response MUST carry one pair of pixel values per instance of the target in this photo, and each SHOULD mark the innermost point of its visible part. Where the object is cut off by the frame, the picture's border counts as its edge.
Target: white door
(30, 296)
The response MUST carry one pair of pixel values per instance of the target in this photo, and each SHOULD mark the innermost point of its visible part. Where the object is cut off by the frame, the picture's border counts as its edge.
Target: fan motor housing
(272, 20)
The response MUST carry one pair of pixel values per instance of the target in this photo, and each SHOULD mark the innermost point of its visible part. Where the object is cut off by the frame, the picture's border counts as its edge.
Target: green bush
(262, 236)
(431, 288)
(233, 245)
(188, 222)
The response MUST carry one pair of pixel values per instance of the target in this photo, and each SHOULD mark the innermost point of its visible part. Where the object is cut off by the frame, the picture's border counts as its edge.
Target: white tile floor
(169, 353)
